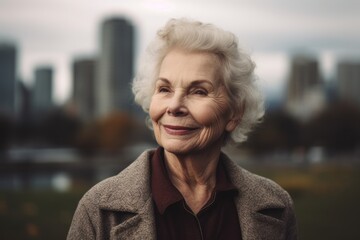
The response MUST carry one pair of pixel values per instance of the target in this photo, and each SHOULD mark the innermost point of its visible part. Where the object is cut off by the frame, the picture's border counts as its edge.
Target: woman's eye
(163, 89)
(200, 92)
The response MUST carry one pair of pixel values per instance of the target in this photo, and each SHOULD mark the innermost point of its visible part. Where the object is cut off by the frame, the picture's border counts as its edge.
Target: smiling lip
(178, 130)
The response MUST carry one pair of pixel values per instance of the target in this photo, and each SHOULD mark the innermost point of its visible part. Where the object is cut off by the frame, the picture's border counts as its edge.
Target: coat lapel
(140, 226)
(254, 224)
(131, 197)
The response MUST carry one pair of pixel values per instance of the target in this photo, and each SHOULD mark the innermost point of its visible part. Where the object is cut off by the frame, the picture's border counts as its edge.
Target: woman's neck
(194, 176)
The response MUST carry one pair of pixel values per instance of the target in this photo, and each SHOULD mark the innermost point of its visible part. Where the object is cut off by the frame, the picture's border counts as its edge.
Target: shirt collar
(165, 193)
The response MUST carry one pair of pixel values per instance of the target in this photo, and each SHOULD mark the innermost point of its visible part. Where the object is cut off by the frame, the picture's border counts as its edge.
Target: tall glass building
(7, 79)
(115, 67)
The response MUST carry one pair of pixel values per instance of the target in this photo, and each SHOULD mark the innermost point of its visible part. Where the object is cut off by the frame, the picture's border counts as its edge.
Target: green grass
(37, 214)
(326, 200)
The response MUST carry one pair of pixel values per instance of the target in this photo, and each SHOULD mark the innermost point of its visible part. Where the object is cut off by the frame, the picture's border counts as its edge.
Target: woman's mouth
(178, 130)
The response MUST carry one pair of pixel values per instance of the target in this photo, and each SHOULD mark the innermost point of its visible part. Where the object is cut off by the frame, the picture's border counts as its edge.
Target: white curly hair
(237, 68)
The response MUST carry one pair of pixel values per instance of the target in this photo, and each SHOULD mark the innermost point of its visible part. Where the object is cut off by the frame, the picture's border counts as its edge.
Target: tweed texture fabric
(121, 207)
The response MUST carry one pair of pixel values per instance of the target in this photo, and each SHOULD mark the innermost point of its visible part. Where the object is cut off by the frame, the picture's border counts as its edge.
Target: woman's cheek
(206, 115)
(155, 109)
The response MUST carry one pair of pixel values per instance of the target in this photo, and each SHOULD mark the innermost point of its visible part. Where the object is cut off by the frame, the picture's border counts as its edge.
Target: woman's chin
(179, 147)
(177, 150)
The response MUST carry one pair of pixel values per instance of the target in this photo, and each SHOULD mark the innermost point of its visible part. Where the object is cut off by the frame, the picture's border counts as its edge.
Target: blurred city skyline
(57, 32)
(308, 62)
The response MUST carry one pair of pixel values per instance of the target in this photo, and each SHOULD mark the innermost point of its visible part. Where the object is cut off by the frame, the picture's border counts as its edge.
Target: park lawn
(326, 201)
(36, 214)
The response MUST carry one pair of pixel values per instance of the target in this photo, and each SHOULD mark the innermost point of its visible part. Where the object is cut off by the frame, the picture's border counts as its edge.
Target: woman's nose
(176, 106)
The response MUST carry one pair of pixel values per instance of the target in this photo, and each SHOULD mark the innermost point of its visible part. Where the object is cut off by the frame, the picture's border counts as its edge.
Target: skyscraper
(23, 101)
(42, 90)
(7, 79)
(304, 75)
(305, 94)
(84, 88)
(115, 67)
(348, 75)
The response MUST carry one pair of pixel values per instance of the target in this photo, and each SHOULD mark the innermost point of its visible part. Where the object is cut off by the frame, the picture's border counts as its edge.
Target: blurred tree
(6, 131)
(337, 128)
(108, 134)
(278, 131)
(115, 131)
(86, 140)
(24, 131)
(59, 128)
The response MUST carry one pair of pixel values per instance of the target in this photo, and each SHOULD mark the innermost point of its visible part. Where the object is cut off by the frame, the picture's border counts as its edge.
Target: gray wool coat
(121, 207)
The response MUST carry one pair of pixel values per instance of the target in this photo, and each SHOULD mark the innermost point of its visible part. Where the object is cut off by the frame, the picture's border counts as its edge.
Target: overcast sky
(54, 32)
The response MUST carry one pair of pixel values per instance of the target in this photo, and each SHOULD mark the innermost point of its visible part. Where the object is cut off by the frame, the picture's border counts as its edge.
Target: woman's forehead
(180, 64)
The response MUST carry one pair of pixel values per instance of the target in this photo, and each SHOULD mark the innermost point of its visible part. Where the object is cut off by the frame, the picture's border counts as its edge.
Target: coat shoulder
(255, 186)
(113, 201)
(135, 176)
(266, 187)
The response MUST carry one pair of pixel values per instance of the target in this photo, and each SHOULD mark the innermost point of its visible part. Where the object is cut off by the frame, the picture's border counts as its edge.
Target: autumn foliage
(108, 134)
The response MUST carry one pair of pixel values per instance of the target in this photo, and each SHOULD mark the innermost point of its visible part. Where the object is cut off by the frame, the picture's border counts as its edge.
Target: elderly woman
(199, 90)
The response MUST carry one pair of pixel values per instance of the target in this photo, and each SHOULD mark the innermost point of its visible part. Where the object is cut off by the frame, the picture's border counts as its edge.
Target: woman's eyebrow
(201, 81)
(192, 83)
(163, 80)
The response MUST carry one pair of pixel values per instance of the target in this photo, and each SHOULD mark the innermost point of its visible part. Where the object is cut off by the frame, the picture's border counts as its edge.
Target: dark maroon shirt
(218, 219)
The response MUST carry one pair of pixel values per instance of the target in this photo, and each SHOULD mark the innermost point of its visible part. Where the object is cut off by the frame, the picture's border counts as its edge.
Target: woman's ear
(232, 124)
(234, 120)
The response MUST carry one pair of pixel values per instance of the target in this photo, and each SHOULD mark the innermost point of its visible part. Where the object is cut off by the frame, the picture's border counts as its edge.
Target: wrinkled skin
(190, 110)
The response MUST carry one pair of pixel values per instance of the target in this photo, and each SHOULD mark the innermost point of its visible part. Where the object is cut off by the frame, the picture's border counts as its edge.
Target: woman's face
(190, 110)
